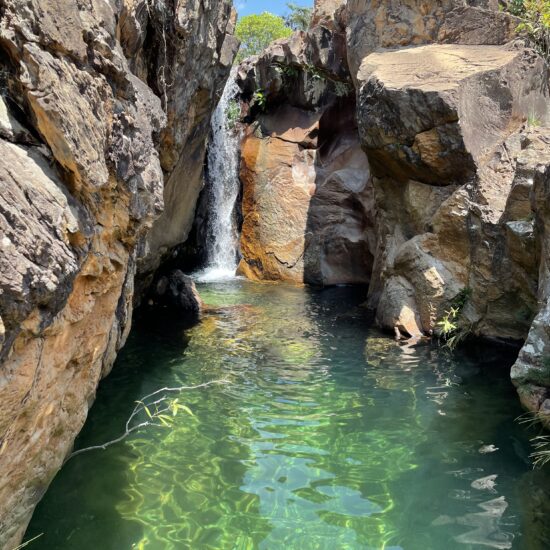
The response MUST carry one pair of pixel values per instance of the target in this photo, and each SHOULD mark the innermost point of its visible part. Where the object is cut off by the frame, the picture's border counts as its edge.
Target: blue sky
(246, 7)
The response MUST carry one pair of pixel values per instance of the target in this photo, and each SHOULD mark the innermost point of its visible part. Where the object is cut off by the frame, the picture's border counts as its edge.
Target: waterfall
(222, 189)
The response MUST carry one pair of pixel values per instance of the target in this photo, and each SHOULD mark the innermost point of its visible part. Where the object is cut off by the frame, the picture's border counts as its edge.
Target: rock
(433, 113)
(450, 129)
(195, 64)
(91, 127)
(177, 291)
(307, 197)
(327, 13)
(373, 24)
(531, 371)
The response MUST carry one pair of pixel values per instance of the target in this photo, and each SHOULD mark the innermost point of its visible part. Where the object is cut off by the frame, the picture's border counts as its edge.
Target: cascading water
(223, 190)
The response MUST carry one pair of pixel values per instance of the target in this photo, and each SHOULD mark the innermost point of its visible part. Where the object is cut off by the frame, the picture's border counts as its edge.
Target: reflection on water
(328, 436)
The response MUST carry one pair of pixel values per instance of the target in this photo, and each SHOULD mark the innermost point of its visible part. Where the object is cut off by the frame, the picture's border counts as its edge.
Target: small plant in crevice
(532, 120)
(232, 113)
(314, 73)
(451, 327)
(260, 100)
(341, 89)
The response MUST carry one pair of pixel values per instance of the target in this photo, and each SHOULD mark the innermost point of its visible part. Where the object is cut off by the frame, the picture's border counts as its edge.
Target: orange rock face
(306, 200)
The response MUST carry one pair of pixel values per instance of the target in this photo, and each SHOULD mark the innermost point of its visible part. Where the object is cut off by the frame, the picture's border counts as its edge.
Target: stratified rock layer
(90, 126)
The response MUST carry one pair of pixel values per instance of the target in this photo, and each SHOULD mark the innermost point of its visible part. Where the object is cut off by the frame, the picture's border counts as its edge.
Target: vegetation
(540, 442)
(541, 454)
(533, 121)
(535, 22)
(299, 17)
(451, 330)
(156, 409)
(232, 113)
(341, 89)
(259, 100)
(257, 31)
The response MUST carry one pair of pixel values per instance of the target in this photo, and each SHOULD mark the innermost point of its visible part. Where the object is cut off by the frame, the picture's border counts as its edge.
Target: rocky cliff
(454, 151)
(104, 113)
(451, 107)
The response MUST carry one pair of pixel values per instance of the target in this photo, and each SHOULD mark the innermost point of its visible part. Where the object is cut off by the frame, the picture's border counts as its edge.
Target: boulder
(176, 291)
(307, 197)
(531, 372)
(445, 121)
(374, 24)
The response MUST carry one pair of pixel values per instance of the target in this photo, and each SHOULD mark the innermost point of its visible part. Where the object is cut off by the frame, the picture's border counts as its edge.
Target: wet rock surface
(177, 292)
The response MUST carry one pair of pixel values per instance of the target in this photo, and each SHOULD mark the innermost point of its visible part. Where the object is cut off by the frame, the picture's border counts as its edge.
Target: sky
(246, 7)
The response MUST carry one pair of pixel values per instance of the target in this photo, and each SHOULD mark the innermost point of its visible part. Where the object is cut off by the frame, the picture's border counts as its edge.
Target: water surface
(328, 435)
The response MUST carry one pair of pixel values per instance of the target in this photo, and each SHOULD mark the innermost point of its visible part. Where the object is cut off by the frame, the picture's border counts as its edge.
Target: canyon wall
(452, 110)
(104, 112)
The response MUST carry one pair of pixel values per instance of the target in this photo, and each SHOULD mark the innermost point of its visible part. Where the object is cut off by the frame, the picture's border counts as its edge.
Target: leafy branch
(449, 324)
(156, 409)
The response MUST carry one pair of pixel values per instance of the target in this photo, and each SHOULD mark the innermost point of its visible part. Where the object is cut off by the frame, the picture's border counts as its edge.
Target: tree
(299, 17)
(257, 31)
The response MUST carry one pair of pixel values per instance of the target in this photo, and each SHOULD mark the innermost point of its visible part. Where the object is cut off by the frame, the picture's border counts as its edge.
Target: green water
(328, 435)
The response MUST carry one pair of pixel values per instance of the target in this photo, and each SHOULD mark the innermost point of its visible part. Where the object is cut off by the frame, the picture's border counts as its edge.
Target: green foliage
(289, 72)
(449, 325)
(259, 100)
(341, 89)
(535, 22)
(299, 17)
(532, 120)
(314, 73)
(233, 113)
(257, 31)
(541, 454)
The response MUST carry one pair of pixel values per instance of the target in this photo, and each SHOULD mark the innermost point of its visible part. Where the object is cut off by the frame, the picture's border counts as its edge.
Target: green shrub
(233, 113)
(535, 22)
(451, 330)
(260, 100)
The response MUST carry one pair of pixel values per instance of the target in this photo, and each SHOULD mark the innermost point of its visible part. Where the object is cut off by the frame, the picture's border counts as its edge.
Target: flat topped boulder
(434, 67)
(435, 113)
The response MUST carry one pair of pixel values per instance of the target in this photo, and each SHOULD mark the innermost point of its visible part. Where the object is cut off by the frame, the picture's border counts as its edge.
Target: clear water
(329, 436)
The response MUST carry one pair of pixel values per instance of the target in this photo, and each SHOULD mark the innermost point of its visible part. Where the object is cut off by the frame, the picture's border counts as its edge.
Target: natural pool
(328, 436)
